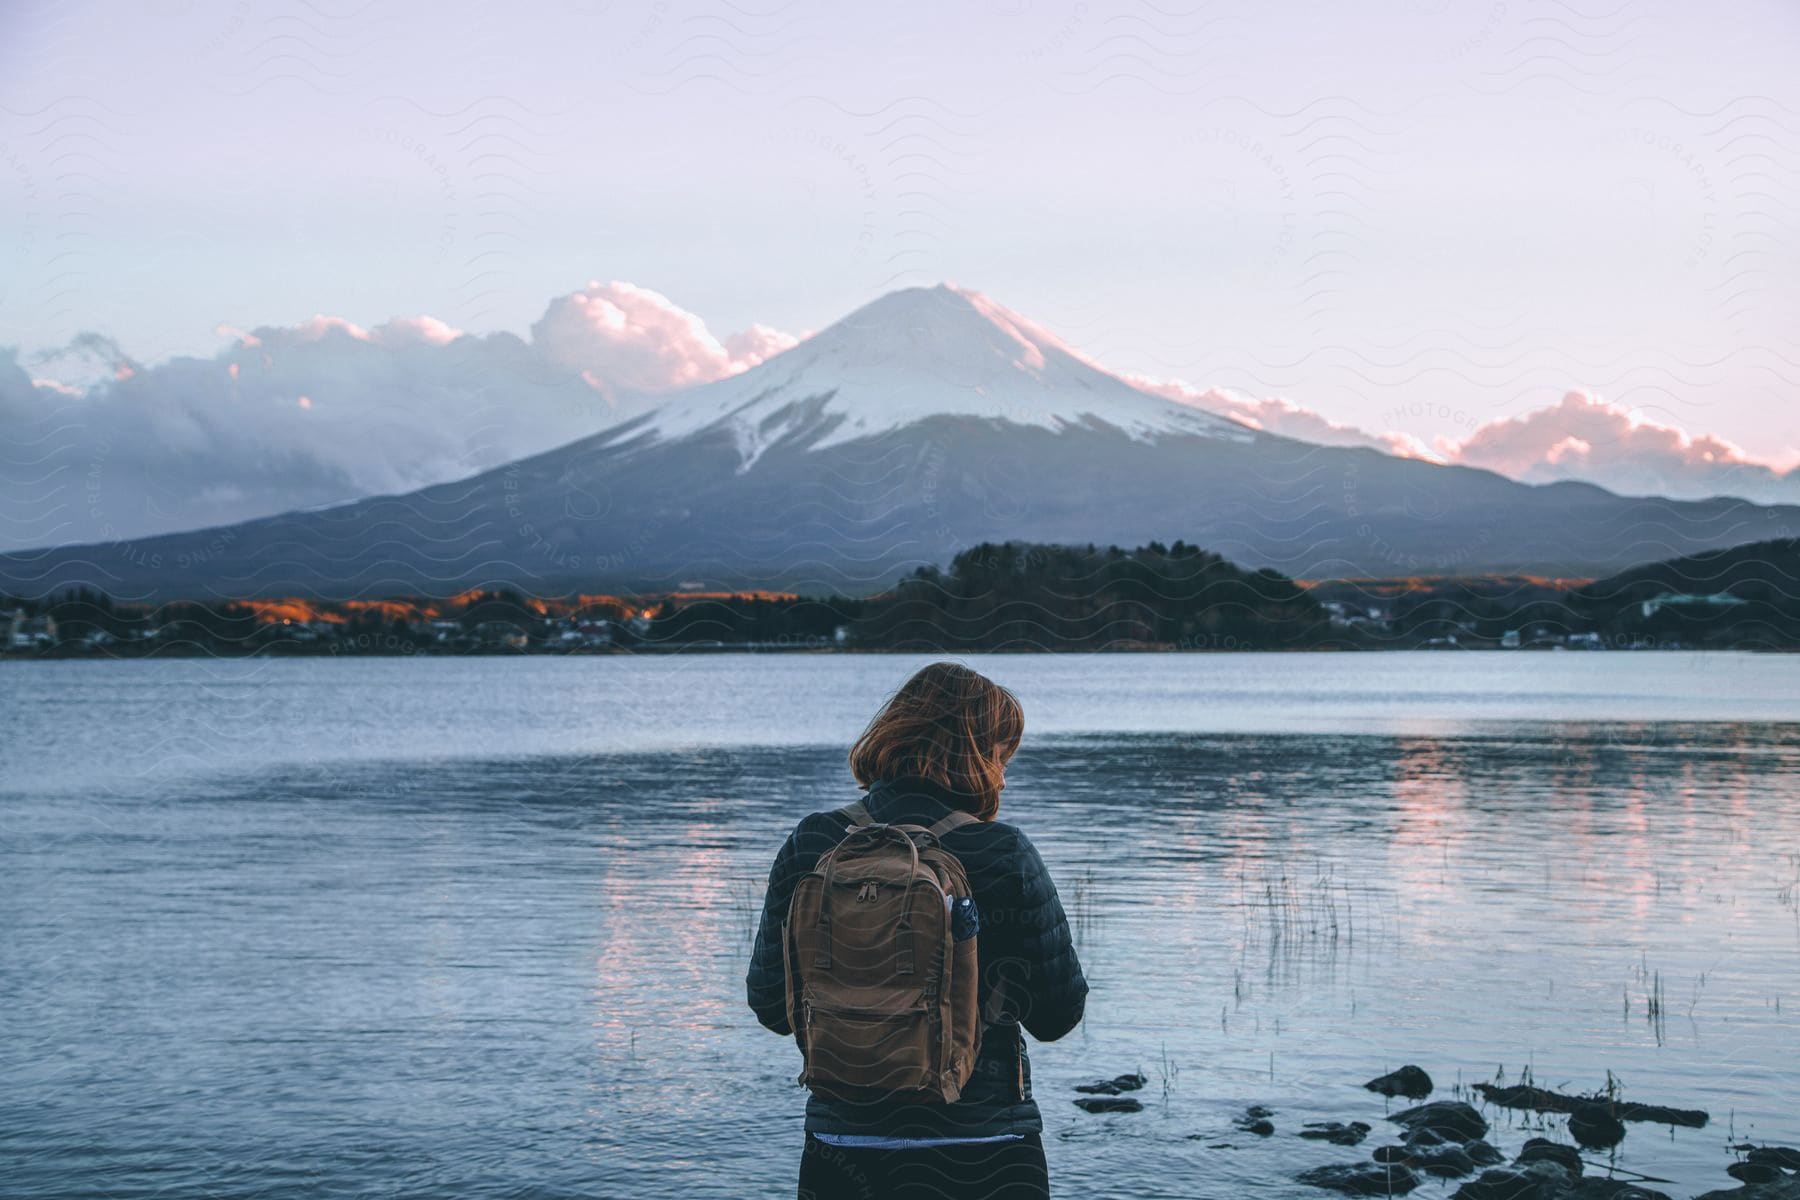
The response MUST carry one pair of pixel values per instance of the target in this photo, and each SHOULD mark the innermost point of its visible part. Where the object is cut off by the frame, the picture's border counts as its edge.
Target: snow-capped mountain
(923, 352)
(924, 423)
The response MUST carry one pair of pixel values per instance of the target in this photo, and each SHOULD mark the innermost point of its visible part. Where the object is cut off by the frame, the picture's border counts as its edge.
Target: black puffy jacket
(1024, 937)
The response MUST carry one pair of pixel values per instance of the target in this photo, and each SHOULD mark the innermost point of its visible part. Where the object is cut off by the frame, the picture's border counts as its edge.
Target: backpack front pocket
(880, 1049)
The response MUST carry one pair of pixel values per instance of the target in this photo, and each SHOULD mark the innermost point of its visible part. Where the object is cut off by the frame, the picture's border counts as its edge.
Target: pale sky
(1414, 216)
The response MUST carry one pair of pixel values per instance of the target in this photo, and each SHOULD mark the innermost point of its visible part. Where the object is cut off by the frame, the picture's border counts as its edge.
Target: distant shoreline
(1011, 597)
(189, 652)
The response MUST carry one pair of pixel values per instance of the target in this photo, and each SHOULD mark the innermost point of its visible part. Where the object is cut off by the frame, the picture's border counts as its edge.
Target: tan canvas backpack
(881, 996)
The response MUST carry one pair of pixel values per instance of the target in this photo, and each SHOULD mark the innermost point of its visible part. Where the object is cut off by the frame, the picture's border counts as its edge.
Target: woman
(940, 744)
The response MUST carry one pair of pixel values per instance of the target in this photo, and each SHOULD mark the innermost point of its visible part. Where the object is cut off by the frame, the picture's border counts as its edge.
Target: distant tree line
(1745, 597)
(994, 596)
(1021, 596)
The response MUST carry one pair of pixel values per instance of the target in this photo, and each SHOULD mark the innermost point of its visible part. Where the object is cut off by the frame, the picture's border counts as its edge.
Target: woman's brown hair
(949, 724)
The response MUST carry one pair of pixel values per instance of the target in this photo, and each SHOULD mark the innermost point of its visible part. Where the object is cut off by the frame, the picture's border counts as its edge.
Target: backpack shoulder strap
(858, 814)
(952, 820)
(956, 819)
(990, 1014)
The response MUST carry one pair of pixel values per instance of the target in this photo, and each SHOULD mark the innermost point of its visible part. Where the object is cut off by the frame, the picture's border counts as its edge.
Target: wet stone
(1336, 1132)
(1777, 1156)
(1785, 1188)
(1452, 1119)
(1547, 1176)
(1595, 1126)
(1423, 1137)
(1113, 1086)
(1362, 1179)
(1446, 1159)
(1612, 1189)
(1542, 1180)
(1541, 1148)
(1409, 1081)
(1107, 1104)
(1256, 1120)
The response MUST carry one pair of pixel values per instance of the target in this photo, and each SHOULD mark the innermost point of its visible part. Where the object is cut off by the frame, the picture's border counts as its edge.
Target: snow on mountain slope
(918, 353)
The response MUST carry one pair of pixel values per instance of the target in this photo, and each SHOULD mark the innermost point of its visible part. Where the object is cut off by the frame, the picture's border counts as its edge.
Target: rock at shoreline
(1542, 1148)
(1451, 1119)
(1362, 1179)
(1409, 1081)
(1548, 1182)
(1445, 1158)
(1785, 1188)
(1424, 1136)
(1106, 1104)
(1426, 1144)
(1545, 1170)
(1256, 1120)
(1777, 1156)
(1336, 1132)
(1595, 1126)
(1766, 1173)
(1113, 1086)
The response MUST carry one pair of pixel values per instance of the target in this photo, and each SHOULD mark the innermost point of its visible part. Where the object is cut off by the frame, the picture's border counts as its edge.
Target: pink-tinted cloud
(232, 331)
(1582, 437)
(629, 339)
(320, 326)
(757, 343)
(1284, 417)
(328, 410)
(396, 331)
(1585, 437)
(402, 331)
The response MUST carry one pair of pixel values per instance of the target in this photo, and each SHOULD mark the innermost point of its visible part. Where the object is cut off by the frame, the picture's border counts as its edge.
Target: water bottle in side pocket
(965, 918)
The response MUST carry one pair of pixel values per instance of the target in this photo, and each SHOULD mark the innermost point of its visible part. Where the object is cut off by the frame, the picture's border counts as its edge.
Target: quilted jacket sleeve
(1055, 990)
(766, 982)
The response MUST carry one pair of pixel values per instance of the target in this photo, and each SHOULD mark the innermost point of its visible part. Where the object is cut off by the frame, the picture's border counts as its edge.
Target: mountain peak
(916, 353)
(939, 326)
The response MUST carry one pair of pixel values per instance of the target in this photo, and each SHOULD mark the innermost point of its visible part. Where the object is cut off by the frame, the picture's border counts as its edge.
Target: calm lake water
(478, 927)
